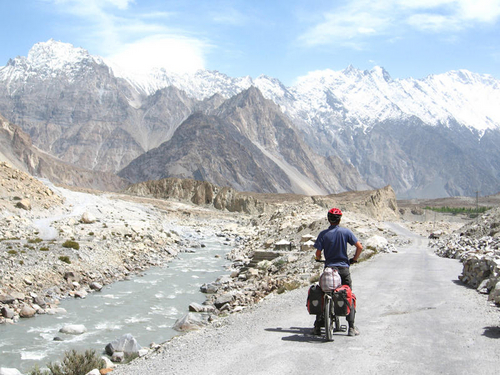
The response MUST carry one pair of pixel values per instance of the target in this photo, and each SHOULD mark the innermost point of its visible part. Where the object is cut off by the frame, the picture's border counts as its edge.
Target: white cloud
(181, 55)
(134, 40)
(345, 26)
(358, 20)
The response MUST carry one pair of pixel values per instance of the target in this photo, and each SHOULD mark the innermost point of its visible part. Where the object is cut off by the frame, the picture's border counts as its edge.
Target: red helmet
(335, 211)
(334, 215)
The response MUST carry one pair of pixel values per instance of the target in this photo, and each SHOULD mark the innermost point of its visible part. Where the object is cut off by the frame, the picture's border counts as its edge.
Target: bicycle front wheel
(329, 319)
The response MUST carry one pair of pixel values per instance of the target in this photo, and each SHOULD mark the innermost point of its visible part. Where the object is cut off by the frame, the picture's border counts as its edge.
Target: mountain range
(330, 132)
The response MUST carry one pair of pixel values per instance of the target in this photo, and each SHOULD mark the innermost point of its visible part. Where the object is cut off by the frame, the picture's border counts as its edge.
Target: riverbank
(84, 241)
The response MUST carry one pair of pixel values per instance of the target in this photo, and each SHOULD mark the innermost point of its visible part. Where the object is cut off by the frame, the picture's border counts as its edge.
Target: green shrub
(65, 259)
(35, 240)
(12, 252)
(44, 248)
(73, 363)
(71, 245)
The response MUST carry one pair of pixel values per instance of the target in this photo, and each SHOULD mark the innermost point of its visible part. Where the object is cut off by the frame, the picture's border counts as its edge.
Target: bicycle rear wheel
(330, 323)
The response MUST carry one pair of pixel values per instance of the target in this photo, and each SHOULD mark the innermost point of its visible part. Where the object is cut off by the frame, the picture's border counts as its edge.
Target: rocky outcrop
(18, 150)
(477, 246)
(379, 204)
(200, 193)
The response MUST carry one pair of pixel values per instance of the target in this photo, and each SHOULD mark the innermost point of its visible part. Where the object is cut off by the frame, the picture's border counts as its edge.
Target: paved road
(415, 317)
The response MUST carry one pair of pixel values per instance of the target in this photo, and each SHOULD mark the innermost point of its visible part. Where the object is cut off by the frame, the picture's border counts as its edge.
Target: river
(145, 306)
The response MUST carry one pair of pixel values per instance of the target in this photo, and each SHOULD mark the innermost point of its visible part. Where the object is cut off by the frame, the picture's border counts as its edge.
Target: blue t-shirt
(333, 241)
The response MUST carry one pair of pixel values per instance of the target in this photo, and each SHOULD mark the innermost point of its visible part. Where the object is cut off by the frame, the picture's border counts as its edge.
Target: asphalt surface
(414, 315)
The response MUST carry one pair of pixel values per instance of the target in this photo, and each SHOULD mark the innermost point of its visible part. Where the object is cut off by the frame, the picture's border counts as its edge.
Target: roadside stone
(118, 357)
(126, 344)
(188, 322)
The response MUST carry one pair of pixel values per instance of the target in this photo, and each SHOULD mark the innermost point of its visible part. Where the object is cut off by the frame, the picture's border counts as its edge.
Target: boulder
(95, 286)
(73, 329)
(118, 357)
(495, 293)
(81, 293)
(18, 295)
(196, 307)
(6, 298)
(188, 322)
(27, 312)
(210, 288)
(126, 344)
(223, 299)
(71, 277)
(7, 312)
(25, 204)
(88, 218)
(40, 301)
(377, 243)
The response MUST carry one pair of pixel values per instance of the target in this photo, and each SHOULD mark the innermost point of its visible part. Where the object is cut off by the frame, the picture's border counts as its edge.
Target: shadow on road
(492, 332)
(461, 283)
(299, 334)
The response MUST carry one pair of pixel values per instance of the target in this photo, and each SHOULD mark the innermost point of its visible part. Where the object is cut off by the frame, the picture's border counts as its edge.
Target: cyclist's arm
(318, 254)
(359, 249)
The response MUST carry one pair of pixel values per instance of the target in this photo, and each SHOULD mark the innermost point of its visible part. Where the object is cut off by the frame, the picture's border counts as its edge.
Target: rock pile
(477, 246)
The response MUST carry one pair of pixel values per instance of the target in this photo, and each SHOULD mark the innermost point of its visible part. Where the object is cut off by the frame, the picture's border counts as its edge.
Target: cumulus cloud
(181, 55)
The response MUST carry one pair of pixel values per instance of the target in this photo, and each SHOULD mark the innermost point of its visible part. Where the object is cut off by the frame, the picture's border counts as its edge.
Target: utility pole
(477, 205)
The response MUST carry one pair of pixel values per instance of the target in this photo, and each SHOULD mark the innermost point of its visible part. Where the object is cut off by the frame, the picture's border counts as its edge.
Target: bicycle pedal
(343, 328)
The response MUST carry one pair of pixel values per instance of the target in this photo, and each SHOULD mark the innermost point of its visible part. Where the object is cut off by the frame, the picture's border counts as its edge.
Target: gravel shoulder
(414, 316)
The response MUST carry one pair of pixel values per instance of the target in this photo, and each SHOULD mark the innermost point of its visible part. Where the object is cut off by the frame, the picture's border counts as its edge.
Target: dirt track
(415, 317)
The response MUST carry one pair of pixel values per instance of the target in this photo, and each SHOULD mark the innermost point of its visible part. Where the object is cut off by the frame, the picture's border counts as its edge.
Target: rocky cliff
(17, 149)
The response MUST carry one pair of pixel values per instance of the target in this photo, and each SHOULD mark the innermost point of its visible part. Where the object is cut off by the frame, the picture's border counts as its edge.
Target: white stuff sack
(330, 279)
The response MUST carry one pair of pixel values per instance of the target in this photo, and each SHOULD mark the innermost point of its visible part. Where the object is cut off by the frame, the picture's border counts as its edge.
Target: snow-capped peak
(54, 55)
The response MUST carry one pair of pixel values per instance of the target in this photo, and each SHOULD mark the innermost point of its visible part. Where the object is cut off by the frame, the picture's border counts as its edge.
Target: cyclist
(333, 241)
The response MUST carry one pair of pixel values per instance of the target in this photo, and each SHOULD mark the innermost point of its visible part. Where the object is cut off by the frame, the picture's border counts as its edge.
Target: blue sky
(284, 39)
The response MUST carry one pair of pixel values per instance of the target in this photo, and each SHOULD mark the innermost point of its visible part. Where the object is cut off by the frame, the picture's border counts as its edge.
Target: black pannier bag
(315, 300)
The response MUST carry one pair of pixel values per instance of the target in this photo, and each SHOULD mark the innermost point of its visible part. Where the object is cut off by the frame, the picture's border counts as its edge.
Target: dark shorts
(345, 276)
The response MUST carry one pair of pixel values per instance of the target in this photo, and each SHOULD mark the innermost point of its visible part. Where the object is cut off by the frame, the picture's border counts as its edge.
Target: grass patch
(12, 252)
(70, 244)
(65, 259)
(35, 240)
(472, 212)
(44, 248)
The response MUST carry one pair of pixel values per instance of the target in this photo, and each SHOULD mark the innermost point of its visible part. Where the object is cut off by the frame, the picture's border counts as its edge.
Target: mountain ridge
(84, 111)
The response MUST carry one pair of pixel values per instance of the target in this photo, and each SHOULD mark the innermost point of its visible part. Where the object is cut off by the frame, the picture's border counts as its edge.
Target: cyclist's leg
(345, 276)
